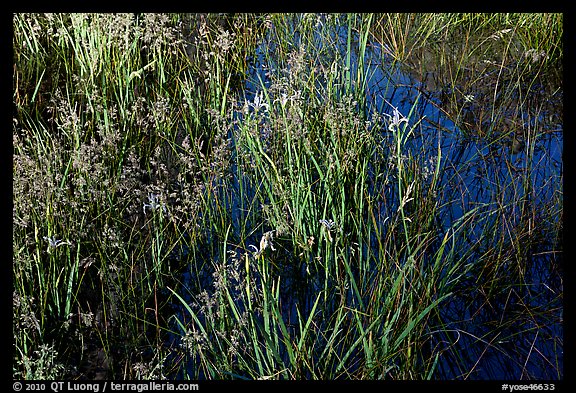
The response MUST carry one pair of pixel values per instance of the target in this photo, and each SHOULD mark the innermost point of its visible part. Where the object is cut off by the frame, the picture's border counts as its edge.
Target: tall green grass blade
(305, 330)
(412, 323)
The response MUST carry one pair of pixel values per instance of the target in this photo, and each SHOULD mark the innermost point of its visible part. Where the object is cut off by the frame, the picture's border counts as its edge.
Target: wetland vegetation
(287, 196)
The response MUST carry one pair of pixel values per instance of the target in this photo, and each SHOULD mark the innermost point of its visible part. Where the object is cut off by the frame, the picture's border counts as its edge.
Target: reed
(246, 197)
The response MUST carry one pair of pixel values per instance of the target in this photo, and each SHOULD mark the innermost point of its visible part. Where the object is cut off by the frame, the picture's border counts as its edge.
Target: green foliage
(220, 196)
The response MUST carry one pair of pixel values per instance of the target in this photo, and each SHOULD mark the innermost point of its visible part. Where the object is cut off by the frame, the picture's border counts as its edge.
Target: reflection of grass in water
(491, 75)
(315, 235)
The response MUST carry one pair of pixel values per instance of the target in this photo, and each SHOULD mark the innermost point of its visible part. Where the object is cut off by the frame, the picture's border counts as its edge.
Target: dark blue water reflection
(516, 333)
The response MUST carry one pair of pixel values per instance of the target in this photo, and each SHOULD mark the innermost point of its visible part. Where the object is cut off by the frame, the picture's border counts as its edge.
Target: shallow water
(516, 334)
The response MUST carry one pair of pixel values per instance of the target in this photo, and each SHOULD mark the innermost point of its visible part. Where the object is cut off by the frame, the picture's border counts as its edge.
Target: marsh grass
(222, 197)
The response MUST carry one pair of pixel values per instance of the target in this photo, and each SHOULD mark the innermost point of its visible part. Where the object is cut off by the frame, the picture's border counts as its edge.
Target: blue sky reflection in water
(515, 334)
(496, 337)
